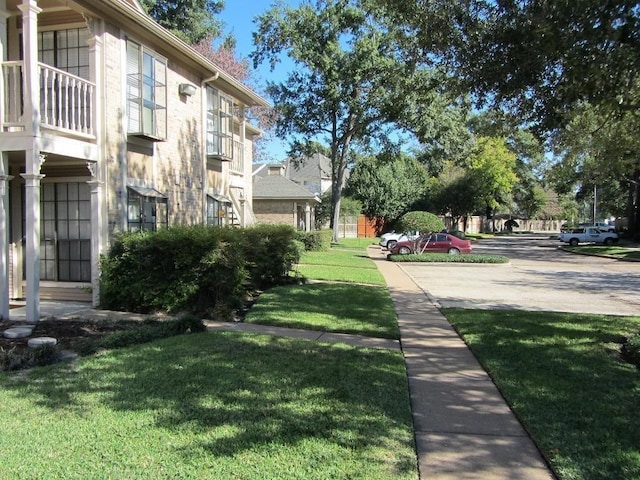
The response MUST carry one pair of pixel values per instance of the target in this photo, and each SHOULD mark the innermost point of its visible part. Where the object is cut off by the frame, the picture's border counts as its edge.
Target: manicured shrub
(177, 269)
(316, 241)
(446, 258)
(424, 222)
(270, 253)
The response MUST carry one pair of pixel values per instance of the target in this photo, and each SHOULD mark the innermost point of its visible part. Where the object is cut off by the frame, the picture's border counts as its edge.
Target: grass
(342, 308)
(220, 405)
(619, 253)
(227, 405)
(564, 379)
(341, 265)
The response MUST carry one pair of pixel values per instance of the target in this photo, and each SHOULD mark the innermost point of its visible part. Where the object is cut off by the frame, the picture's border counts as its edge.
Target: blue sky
(238, 17)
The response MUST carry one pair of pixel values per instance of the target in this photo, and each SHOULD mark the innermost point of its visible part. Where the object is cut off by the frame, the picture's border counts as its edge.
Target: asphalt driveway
(539, 277)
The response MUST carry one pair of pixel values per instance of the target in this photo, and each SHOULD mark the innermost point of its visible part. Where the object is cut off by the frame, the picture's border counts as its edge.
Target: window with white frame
(218, 208)
(219, 124)
(67, 50)
(147, 209)
(146, 93)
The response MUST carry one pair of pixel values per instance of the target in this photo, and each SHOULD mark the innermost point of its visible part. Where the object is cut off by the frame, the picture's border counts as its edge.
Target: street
(539, 277)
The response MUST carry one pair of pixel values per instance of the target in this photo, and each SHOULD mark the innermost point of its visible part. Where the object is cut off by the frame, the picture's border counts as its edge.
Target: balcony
(67, 102)
(223, 147)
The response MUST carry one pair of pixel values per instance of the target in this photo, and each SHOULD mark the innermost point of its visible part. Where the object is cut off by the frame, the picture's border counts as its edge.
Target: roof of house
(129, 14)
(276, 187)
(315, 167)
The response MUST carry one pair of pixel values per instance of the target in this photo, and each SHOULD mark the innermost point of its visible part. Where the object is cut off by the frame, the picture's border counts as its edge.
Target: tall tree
(191, 20)
(387, 184)
(350, 85)
(538, 58)
(454, 193)
(492, 166)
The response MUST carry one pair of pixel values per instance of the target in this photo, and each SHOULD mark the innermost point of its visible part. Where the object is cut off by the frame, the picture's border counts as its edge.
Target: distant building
(276, 199)
(108, 123)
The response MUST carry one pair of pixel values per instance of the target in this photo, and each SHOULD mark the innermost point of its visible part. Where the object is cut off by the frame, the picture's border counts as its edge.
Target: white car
(388, 240)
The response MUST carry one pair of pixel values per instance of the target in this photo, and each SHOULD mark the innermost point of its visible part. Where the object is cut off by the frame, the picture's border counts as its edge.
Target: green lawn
(218, 405)
(227, 405)
(562, 376)
(340, 264)
(619, 253)
(343, 308)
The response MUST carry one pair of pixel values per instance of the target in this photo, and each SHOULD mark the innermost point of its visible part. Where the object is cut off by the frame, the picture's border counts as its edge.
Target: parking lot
(539, 277)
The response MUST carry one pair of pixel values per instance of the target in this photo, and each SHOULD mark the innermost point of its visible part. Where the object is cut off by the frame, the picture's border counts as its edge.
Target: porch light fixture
(187, 89)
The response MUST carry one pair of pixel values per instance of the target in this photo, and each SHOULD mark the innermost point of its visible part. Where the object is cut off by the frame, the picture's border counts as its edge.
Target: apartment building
(108, 123)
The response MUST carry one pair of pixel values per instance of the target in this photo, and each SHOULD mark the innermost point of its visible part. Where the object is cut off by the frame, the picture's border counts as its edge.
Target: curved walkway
(464, 428)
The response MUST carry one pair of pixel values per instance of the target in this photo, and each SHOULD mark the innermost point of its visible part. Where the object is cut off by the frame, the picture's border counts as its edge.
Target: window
(146, 209)
(218, 208)
(146, 93)
(219, 125)
(67, 50)
(65, 232)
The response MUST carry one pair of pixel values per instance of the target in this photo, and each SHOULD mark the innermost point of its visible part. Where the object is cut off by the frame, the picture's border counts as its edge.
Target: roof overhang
(128, 15)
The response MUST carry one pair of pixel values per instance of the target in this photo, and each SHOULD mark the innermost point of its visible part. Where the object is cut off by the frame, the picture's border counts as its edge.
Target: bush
(446, 258)
(270, 254)
(31, 357)
(631, 349)
(423, 222)
(199, 269)
(316, 241)
(192, 269)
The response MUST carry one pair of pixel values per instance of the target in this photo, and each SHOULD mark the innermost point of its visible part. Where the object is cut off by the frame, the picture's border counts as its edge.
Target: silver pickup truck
(588, 235)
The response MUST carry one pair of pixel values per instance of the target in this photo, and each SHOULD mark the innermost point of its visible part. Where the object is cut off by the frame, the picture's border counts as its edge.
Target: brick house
(276, 199)
(108, 123)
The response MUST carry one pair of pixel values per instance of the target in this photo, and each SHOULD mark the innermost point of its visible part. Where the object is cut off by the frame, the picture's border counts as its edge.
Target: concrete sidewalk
(464, 428)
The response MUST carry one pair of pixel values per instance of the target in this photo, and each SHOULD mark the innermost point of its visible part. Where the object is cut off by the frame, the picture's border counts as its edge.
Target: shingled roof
(277, 187)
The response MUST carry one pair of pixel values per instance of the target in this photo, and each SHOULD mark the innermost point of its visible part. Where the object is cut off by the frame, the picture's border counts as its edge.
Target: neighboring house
(108, 123)
(313, 173)
(276, 199)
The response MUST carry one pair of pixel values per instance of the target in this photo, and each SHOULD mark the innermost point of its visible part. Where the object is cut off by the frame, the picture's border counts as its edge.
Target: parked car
(433, 243)
(603, 226)
(388, 240)
(588, 235)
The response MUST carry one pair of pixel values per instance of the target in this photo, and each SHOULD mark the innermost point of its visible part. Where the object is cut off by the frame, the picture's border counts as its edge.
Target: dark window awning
(219, 198)
(148, 192)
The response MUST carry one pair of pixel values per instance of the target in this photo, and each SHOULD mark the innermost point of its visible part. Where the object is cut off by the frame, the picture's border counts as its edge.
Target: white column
(31, 74)
(3, 48)
(4, 238)
(96, 239)
(33, 159)
(32, 234)
(307, 217)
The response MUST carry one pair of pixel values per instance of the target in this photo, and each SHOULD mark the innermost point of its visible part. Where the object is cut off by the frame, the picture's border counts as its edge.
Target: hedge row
(445, 257)
(204, 270)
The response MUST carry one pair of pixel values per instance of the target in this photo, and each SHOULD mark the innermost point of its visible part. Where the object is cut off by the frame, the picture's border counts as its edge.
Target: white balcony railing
(66, 101)
(237, 163)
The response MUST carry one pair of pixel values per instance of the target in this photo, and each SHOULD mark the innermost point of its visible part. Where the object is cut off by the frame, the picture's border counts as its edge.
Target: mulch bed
(67, 332)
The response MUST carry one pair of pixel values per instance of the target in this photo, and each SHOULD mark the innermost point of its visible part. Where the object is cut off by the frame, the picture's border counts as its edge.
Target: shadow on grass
(261, 391)
(339, 308)
(565, 382)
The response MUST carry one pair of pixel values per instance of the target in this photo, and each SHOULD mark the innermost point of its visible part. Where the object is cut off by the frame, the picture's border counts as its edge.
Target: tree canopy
(191, 20)
(387, 184)
(351, 84)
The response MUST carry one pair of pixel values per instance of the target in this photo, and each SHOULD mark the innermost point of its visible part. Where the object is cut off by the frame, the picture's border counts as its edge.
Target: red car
(433, 243)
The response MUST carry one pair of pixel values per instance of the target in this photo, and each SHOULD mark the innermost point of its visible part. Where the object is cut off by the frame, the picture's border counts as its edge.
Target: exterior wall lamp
(187, 89)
